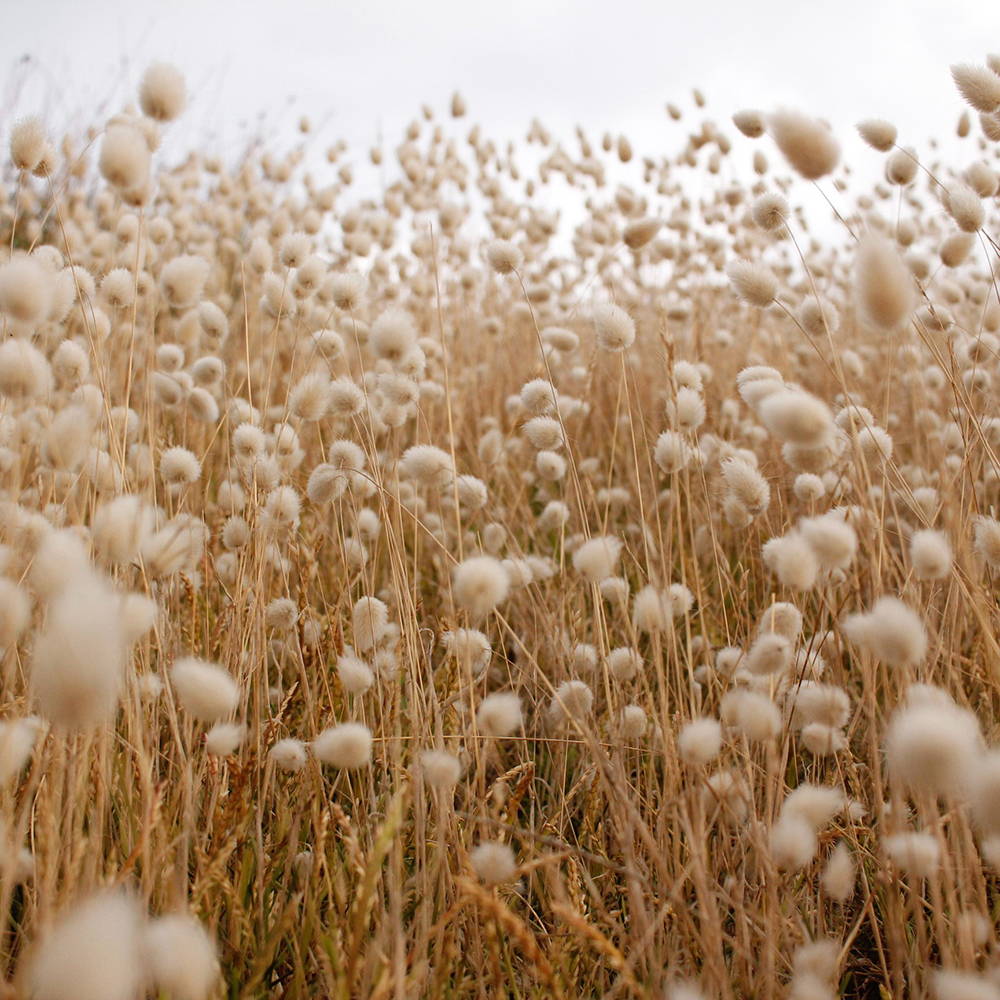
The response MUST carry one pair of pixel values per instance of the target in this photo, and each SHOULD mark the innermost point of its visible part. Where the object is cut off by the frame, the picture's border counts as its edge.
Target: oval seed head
(597, 558)
(499, 714)
(816, 804)
(205, 691)
(370, 617)
(769, 211)
(796, 416)
(932, 746)
(124, 159)
(493, 863)
(832, 539)
(26, 290)
(614, 328)
(890, 631)
(15, 613)
(930, 555)
(637, 234)
(700, 741)
(754, 283)
(180, 957)
(345, 747)
(162, 93)
(883, 284)
(793, 843)
(440, 769)
(878, 133)
(182, 280)
(807, 143)
(771, 653)
(504, 257)
(288, 755)
(28, 143)
(225, 738)
(839, 875)
(355, 675)
(917, 855)
(572, 701)
(672, 452)
(92, 952)
(750, 123)
(750, 714)
(986, 540)
(179, 466)
(901, 167)
(480, 584)
(792, 560)
(78, 661)
(979, 85)
(17, 744)
(965, 207)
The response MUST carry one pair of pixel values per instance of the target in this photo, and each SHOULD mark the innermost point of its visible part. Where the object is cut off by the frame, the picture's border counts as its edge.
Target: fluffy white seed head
(793, 843)
(92, 952)
(28, 142)
(355, 675)
(504, 257)
(699, 741)
(807, 143)
(890, 631)
(480, 584)
(288, 754)
(750, 714)
(15, 612)
(769, 211)
(78, 661)
(839, 874)
(770, 653)
(614, 328)
(124, 158)
(572, 701)
(225, 738)
(979, 85)
(26, 291)
(204, 690)
(597, 558)
(17, 743)
(917, 855)
(179, 466)
(752, 282)
(493, 862)
(878, 133)
(792, 560)
(369, 618)
(930, 554)
(883, 284)
(162, 93)
(796, 416)
(816, 804)
(965, 206)
(750, 123)
(440, 769)
(832, 539)
(932, 746)
(180, 957)
(499, 714)
(347, 746)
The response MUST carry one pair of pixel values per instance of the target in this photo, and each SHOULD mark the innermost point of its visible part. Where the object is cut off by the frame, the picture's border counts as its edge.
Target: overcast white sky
(358, 65)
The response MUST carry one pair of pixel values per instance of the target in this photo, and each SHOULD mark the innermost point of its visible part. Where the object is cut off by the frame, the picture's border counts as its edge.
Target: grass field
(478, 591)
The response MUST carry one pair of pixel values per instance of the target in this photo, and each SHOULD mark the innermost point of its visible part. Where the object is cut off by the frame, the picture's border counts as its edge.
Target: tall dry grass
(770, 453)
